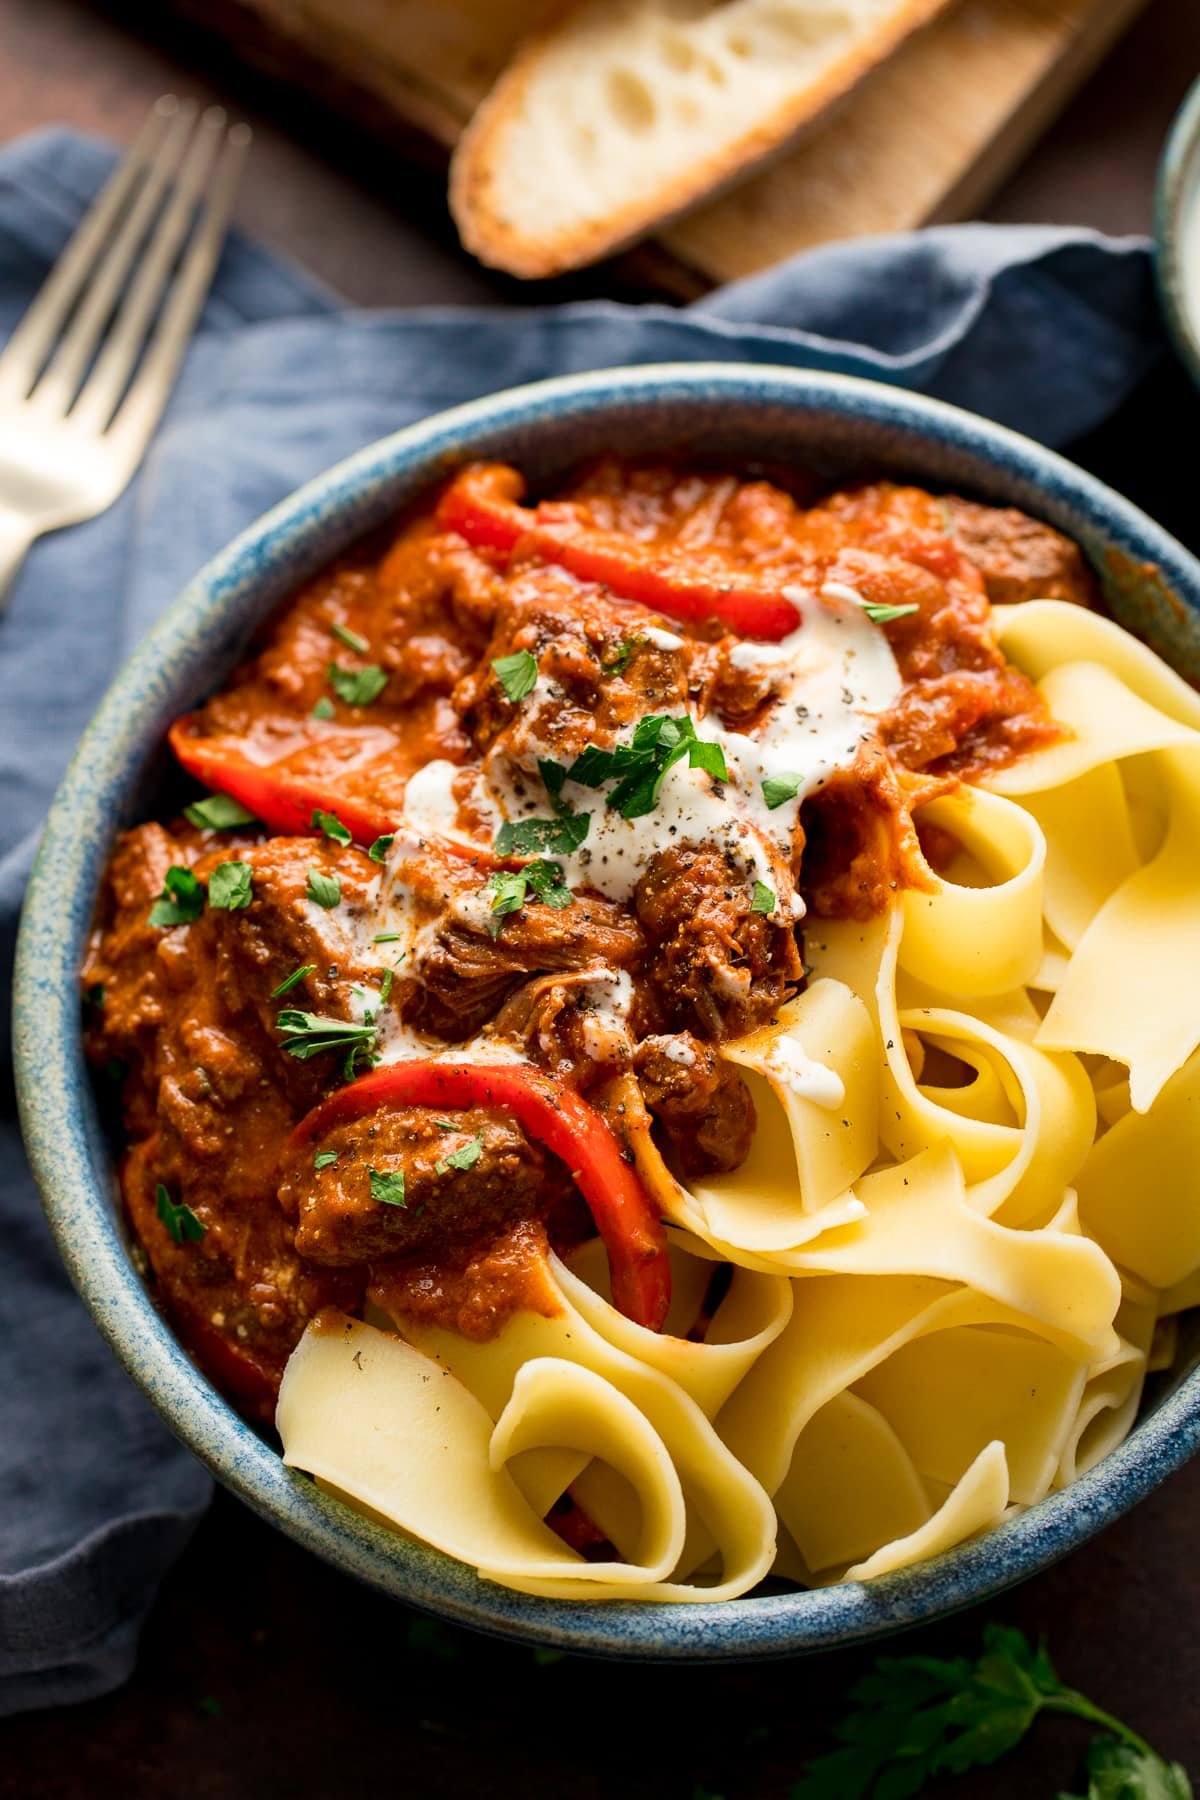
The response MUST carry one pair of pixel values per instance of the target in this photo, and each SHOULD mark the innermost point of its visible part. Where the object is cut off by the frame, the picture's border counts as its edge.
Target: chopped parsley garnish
(618, 662)
(385, 986)
(218, 812)
(763, 900)
(181, 901)
(385, 937)
(326, 890)
(559, 836)
(380, 848)
(553, 775)
(883, 615)
(325, 1159)
(387, 1186)
(779, 789)
(292, 980)
(308, 1034)
(464, 1158)
(231, 886)
(351, 639)
(510, 888)
(180, 1220)
(531, 837)
(324, 708)
(517, 674)
(330, 825)
(357, 687)
(639, 767)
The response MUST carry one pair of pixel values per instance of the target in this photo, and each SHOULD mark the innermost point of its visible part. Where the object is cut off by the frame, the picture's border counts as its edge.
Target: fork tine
(104, 386)
(30, 343)
(56, 388)
(139, 411)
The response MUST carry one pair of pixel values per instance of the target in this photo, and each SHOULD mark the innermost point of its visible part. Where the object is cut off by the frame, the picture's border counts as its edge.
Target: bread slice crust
(478, 172)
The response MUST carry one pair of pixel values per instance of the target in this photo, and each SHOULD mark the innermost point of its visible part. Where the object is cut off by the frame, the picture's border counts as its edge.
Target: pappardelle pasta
(718, 1097)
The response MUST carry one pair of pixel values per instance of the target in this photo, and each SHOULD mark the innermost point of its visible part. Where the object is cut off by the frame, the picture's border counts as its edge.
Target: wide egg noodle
(1137, 1189)
(985, 937)
(841, 1328)
(384, 1426)
(918, 1222)
(978, 1503)
(753, 1311)
(727, 1507)
(1038, 635)
(848, 1449)
(1018, 1155)
(1124, 711)
(949, 1395)
(1113, 1389)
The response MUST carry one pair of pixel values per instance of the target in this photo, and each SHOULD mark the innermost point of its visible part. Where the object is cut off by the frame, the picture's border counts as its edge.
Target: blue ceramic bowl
(841, 426)
(1177, 232)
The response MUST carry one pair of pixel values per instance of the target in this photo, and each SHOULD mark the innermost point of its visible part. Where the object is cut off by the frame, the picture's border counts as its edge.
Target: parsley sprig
(917, 1717)
(218, 812)
(387, 1186)
(351, 639)
(877, 611)
(559, 836)
(357, 687)
(618, 661)
(231, 886)
(330, 826)
(465, 1157)
(325, 890)
(510, 888)
(639, 768)
(306, 1035)
(517, 674)
(179, 1219)
(880, 614)
(182, 899)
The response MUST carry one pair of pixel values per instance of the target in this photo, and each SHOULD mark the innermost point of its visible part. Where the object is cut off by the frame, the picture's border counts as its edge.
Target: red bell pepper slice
(481, 506)
(284, 801)
(555, 1115)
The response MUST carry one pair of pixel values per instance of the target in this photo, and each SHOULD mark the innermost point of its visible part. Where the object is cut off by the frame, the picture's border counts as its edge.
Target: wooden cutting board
(928, 138)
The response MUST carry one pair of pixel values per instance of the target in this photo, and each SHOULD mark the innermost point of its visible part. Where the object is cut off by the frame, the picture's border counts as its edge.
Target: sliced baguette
(624, 112)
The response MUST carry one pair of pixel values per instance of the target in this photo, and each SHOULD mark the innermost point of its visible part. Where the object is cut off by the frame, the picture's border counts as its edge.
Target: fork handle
(16, 535)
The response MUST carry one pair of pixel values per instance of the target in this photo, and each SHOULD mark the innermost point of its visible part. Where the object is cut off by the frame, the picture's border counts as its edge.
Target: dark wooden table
(263, 1674)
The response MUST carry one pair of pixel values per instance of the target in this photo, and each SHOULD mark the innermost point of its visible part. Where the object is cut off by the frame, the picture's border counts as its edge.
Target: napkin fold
(1046, 330)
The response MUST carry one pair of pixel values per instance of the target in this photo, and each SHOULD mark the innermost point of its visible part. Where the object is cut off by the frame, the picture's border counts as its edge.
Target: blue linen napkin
(1047, 330)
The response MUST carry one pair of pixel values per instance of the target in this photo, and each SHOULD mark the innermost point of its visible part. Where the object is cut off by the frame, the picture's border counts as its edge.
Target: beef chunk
(598, 671)
(464, 974)
(715, 964)
(473, 1289)
(340, 1220)
(702, 1103)
(572, 1024)
(1019, 557)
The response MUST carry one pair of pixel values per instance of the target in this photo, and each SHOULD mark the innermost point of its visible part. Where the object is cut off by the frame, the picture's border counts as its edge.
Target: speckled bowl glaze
(842, 426)
(1177, 231)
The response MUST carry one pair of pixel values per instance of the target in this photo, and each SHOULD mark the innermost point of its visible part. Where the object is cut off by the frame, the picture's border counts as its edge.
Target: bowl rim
(1181, 154)
(59, 1125)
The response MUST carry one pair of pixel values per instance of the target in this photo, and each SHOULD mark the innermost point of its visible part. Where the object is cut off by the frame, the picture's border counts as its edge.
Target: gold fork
(87, 372)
